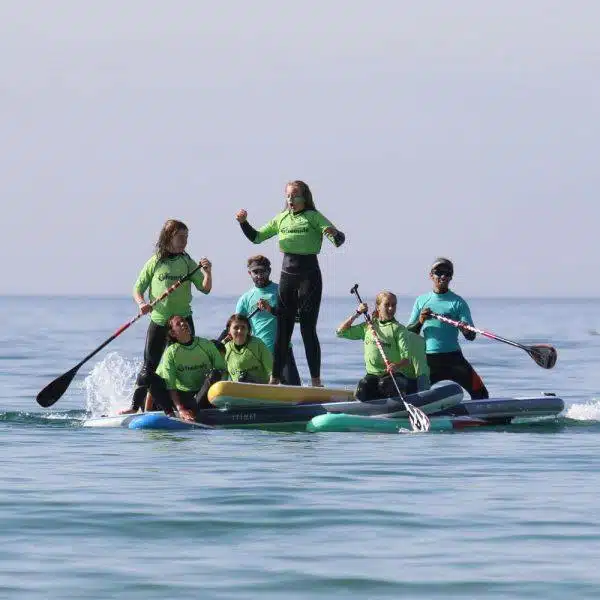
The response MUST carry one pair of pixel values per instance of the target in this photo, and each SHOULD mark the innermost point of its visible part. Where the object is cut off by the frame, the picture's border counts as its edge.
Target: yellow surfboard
(231, 394)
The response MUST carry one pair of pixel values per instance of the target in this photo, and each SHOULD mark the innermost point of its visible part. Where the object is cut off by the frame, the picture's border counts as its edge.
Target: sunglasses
(441, 273)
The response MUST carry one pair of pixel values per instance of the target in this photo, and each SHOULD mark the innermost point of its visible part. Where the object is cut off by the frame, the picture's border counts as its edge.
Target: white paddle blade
(419, 421)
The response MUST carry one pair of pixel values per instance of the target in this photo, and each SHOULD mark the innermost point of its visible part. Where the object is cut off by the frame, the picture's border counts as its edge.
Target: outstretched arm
(328, 229)
(256, 237)
(336, 236)
(345, 325)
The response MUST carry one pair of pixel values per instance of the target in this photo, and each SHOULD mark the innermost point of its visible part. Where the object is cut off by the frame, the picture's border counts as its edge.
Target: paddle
(543, 354)
(54, 390)
(418, 419)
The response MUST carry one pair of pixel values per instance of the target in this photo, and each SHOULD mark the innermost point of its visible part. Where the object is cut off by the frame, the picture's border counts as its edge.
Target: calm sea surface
(509, 512)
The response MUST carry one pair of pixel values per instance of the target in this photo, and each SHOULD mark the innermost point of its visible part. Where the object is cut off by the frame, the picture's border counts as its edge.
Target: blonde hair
(380, 298)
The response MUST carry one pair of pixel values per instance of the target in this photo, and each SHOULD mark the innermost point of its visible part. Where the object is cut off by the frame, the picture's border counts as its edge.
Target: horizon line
(325, 296)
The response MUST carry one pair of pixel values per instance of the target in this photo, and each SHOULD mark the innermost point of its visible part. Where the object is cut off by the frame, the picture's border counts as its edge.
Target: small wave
(590, 411)
(70, 418)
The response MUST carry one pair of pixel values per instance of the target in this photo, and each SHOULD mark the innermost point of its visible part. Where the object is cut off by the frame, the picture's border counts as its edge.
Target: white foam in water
(584, 412)
(108, 388)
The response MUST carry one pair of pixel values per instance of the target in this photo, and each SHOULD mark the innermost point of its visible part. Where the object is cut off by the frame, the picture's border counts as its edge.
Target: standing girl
(167, 265)
(300, 228)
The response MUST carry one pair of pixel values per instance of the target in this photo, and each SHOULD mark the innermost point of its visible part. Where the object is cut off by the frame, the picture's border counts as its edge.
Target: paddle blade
(54, 390)
(544, 355)
(419, 421)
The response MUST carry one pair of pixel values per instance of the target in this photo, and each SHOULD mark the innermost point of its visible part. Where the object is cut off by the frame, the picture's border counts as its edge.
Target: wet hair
(304, 192)
(170, 335)
(380, 298)
(238, 317)
(259, 260)
(443, 262)
(169, 230)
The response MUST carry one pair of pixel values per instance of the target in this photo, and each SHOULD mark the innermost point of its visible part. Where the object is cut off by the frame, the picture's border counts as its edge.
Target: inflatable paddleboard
(294, 417)
(232, 394)
(149, 420)
(504, 410)
(348, 423)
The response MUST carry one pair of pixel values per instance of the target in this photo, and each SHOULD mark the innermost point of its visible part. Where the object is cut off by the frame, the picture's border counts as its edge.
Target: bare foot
(128, 411)
(274, 381)
(316, 382)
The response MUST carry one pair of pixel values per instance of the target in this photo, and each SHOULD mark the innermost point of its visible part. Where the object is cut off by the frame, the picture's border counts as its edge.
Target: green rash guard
(398, 344)
(253, 358)
(157, 276)
(184, 366)
(300, 233)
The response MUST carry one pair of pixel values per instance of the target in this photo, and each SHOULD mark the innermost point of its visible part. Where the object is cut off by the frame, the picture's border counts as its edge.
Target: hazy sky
(464, 128)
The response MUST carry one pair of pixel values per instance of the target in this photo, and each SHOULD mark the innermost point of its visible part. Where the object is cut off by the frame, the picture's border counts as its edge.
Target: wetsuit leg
(188, 400)
(160, 395)
(286, 317)
(290, 375)
(455, 367)
(156, 342)
(245, 377)
(367, 388)
(201, 397)
(387, 389)
(309, 300)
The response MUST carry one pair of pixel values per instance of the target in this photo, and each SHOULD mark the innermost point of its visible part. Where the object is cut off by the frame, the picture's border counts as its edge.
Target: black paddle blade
(544, 355)
(54, 390)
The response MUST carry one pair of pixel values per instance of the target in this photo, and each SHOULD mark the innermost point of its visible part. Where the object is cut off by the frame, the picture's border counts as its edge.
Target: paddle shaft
(56, 388)
(389, 367)
(487, 334)
(418, 419)
(129, 323)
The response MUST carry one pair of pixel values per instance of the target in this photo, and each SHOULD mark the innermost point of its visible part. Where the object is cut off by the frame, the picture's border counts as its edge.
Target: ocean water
(506, 512)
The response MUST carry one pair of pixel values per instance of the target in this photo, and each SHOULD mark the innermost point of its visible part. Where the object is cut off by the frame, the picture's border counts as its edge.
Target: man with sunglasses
(264, 295)
(444, 356)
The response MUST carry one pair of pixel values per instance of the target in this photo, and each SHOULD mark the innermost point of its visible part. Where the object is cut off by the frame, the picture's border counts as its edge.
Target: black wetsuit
(371, 387)
(300, 291)
(192, 400)
(455, 367)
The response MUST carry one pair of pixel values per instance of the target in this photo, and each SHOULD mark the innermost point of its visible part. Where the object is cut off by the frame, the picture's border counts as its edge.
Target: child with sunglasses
(444, 356)
(265, 296)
